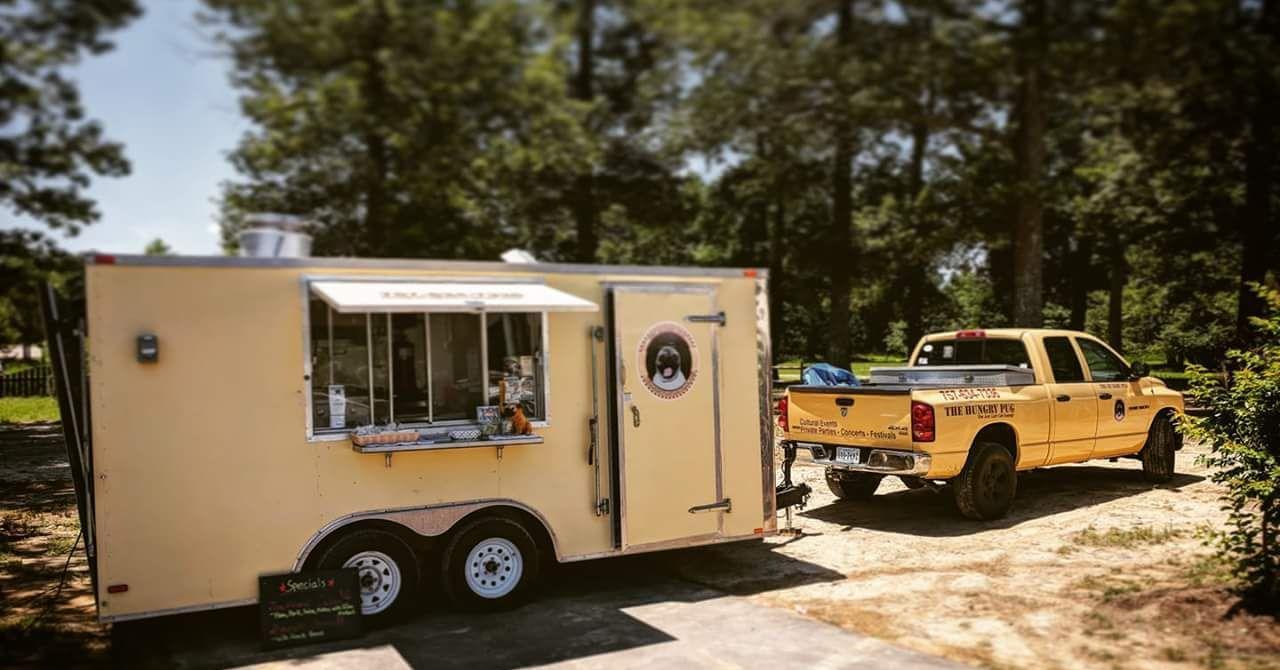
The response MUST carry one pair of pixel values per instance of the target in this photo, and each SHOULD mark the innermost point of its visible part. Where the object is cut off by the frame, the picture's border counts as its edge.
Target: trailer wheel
(984, 489)
(489, 564)
(852, 485)
(386, 570)
(1157, 454)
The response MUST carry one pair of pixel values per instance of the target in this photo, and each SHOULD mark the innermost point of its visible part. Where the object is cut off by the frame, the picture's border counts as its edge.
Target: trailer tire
(852, 485)
(985, 488)
(387, 571)
(1158, 453)
(490, 564)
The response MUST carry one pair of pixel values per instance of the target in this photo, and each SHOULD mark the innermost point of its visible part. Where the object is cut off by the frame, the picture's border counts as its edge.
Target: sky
(164, 95)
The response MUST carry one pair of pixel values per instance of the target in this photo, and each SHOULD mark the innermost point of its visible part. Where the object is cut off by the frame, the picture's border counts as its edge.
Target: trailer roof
(417, 264)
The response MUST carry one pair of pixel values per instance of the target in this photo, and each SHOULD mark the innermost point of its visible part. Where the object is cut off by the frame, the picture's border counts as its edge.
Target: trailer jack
(788, 494)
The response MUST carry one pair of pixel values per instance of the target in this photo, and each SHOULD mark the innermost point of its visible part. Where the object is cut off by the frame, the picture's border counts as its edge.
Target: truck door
(1123, 413)
(1075, 408)
(667, 416)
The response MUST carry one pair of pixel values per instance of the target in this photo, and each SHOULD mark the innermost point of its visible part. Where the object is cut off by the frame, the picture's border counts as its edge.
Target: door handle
(726, 505)
(1104, 396)
(1063, 398)
(635, 416)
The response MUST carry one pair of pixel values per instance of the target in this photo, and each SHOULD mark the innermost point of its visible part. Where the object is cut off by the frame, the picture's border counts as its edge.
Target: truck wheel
(1157, 454)
(985, 487)
(490, 564)
(852, 485)
(386, 570)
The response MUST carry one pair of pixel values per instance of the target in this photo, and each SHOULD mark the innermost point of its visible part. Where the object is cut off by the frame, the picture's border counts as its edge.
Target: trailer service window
(422, 368)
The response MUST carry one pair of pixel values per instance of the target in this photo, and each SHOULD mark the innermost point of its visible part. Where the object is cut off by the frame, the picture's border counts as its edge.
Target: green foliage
(712, 133)
(27, 258)
(895, 342)
(1242, 430)
(48, 149)
(157, 247)
(28, 410)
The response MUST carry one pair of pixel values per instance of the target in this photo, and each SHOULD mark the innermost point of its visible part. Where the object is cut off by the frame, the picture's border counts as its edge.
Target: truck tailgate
(856, 416)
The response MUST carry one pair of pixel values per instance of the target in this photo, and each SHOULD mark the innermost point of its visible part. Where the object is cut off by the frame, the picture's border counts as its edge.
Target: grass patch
(61, 545)
(1122, 538)
(1110, 589)
(28, 410)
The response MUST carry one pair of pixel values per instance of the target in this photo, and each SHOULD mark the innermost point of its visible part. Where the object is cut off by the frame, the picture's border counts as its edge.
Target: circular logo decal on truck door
(668, 360)
(1119, 410)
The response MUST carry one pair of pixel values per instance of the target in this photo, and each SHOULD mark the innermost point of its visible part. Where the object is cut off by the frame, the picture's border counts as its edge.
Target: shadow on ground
(581, 611)
(1042, 492)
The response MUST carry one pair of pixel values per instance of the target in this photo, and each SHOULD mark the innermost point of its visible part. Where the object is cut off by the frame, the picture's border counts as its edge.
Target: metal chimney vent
(274, 236)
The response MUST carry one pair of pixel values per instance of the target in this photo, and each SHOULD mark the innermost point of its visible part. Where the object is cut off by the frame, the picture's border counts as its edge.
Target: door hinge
(717, 318)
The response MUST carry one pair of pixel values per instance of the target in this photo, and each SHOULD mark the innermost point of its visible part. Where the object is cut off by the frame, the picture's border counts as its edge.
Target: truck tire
(490, 564)
(1157, 453)
(986, 486)
(852, 485)
(386, 570)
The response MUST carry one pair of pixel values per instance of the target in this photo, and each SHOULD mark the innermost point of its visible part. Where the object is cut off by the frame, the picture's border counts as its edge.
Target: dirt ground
(1093, 569)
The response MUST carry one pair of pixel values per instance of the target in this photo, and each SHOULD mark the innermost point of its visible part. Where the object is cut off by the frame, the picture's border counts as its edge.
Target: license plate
(847, 455)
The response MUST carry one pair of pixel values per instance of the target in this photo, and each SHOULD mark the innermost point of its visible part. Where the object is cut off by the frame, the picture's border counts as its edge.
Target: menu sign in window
(305, 607)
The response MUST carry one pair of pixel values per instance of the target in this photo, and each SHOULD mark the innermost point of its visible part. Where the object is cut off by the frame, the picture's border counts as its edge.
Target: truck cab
(973, 407)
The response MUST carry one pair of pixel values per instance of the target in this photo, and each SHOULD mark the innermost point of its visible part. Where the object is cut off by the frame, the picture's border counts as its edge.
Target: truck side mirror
(1139, 370)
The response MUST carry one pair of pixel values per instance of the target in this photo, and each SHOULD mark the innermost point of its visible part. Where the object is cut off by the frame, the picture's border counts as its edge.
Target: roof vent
(517, 256)
(274, 236)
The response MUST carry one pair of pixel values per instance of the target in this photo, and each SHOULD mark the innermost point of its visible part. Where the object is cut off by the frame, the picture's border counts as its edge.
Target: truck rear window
(974, 351)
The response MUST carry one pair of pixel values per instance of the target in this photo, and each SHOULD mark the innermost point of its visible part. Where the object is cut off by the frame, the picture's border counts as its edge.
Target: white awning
(371, 296)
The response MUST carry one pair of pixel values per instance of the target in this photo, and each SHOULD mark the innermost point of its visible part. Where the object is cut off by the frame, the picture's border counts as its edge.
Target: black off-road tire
(494, 567)
(376, 554)
(985, 488)
(1158, 453)
(852, 485)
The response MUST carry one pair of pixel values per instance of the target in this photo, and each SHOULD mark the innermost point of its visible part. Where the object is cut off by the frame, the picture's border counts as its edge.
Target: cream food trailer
(216, 413)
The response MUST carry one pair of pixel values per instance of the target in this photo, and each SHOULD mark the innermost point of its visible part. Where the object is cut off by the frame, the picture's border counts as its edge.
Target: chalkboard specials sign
(304, 607)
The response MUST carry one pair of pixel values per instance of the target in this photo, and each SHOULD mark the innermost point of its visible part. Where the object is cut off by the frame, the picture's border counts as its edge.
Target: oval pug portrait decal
(668, 360)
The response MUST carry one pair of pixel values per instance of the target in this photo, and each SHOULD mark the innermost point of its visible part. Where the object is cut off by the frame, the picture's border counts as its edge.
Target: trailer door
(667, 408)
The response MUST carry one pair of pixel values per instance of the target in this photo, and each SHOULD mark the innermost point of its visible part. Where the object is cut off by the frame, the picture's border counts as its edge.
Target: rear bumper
(871, 459)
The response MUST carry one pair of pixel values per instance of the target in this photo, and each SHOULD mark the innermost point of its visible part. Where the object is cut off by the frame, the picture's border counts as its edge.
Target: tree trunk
(583, 191)
(777, 282)
(374, 85)
(1029, 154)
(1081, 273)
(1256, 226)
(840, 237)
(1115, 300)
(917, 276)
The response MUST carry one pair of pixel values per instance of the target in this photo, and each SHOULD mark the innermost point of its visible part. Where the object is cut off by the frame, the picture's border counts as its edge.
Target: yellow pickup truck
(973, 407)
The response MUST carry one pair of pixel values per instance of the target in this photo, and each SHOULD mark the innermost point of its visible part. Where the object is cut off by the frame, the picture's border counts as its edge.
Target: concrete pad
(731, 632)
(707, 631)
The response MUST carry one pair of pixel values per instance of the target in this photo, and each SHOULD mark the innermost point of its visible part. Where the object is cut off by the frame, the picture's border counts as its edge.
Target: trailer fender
(427, 521)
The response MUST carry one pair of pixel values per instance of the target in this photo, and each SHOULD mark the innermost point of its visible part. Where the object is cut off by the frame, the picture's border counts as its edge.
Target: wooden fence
(34, 381)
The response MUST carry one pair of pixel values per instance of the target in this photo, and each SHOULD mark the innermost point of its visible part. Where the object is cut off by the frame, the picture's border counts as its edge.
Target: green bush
(1242, 431)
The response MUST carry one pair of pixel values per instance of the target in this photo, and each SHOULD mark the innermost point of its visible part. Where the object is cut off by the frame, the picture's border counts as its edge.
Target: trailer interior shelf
(446, 444)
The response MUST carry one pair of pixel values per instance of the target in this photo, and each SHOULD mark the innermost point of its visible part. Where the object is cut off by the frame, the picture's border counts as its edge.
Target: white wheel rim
(494, 567)
(379, 579)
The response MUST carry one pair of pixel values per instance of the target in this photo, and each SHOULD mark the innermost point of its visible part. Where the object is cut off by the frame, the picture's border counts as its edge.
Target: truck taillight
(922, 424)
(782, 414)
(971, 334)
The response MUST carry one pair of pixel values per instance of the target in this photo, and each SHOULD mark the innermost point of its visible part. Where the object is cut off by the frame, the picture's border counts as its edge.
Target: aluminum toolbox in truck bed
(954, 375)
